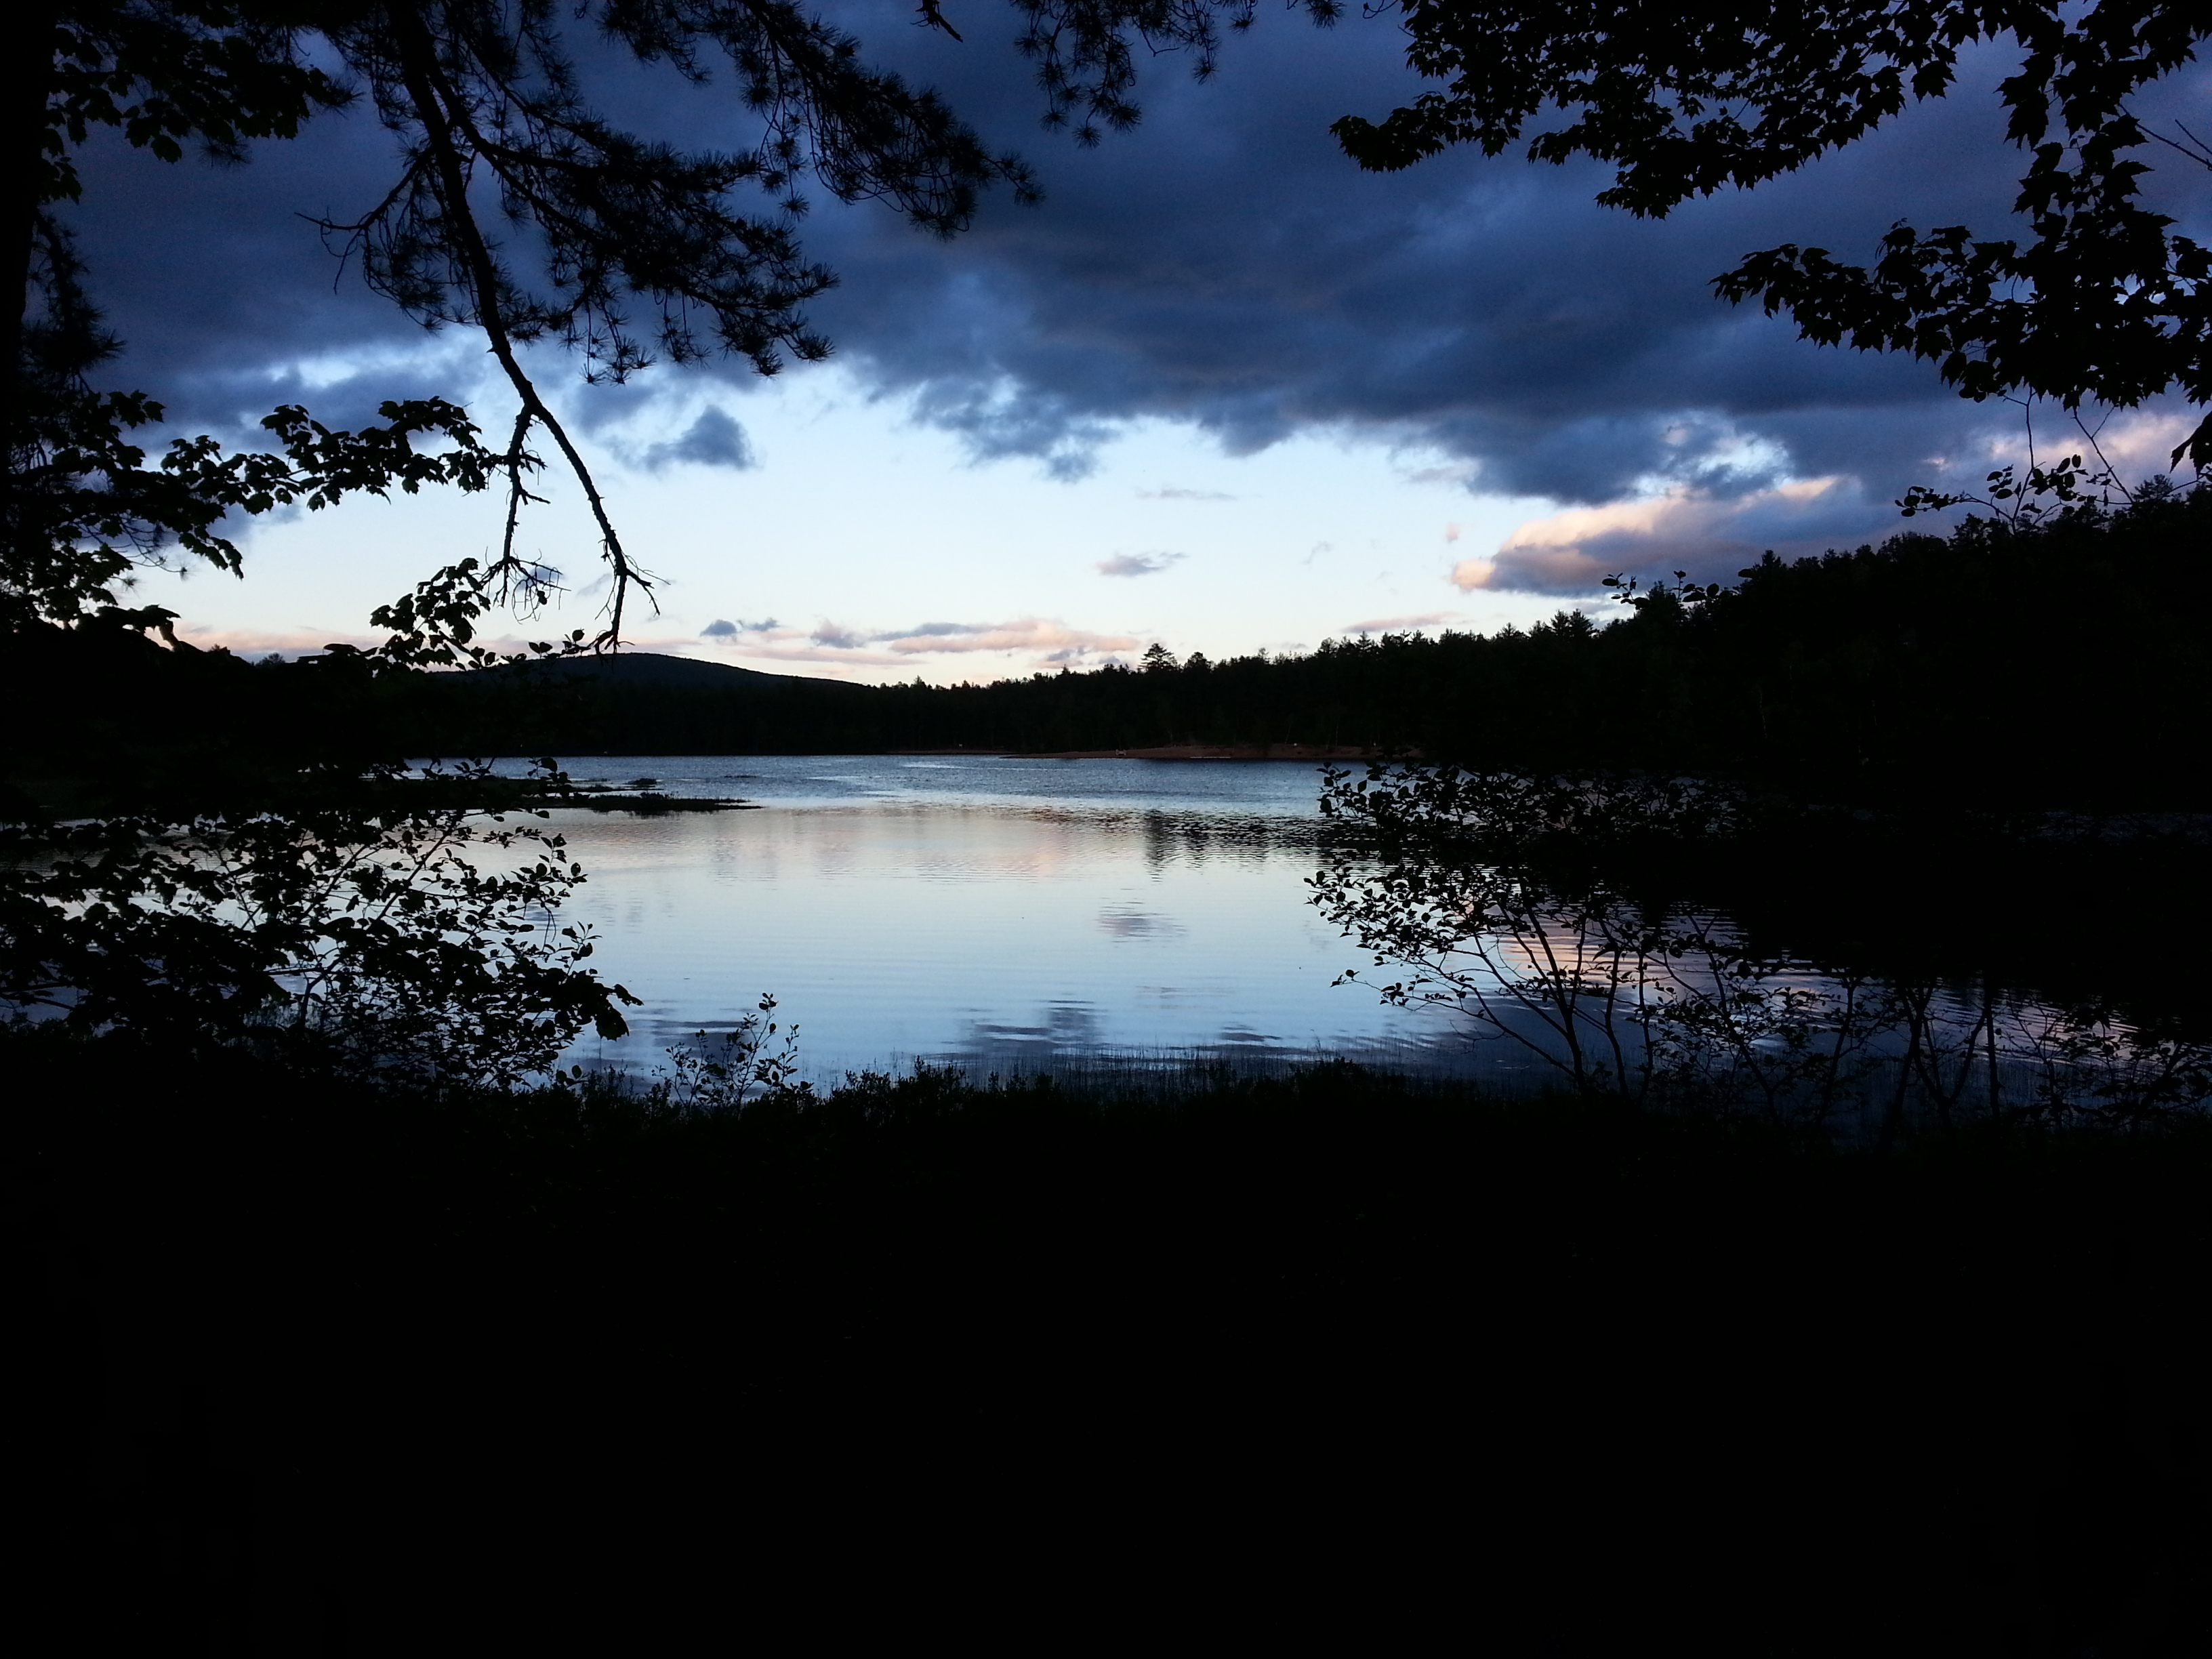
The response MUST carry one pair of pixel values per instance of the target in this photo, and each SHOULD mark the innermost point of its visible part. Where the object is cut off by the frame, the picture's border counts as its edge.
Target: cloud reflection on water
(1009, 915)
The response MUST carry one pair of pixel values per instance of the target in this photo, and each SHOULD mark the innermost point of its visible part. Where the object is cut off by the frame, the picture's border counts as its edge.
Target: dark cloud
(713, 439)
(1223, 265)
(1226, 266)
(228, 301)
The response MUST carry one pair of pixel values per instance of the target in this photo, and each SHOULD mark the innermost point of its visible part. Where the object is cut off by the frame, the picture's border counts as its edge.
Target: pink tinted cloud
(1709, 536)
(1028, 634)
(830, 643)
(290, 642)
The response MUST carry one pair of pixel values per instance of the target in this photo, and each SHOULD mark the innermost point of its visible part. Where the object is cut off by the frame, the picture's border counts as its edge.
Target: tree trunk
(26, 78)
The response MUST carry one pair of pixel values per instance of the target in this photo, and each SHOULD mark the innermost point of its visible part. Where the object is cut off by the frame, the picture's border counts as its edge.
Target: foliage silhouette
(1526, 904)
(2102, 303)
(635, 250)
(295, 895)
(269, 863)
(365, 936)
(724, 1072)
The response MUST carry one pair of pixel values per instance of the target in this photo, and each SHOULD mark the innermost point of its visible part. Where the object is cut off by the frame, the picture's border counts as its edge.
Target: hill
(650, 669)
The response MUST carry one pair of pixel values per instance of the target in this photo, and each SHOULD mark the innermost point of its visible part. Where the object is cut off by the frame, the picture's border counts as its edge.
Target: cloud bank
(1040, 638)
(1223, 266)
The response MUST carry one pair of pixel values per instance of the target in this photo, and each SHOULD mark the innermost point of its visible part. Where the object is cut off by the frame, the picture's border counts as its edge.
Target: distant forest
(2061, 664)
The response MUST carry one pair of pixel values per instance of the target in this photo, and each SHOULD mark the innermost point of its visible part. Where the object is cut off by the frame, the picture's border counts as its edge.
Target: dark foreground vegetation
(1594, 1377)
(2058, 666)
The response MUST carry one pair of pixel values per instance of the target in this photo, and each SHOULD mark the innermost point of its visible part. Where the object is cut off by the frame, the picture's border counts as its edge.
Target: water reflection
(1021, 915)
(1005, 915)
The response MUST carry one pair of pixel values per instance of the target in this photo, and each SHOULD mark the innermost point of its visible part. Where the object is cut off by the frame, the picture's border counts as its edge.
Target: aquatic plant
(720, 1072)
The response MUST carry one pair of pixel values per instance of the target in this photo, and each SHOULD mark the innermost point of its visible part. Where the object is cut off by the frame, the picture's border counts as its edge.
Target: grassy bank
(1637, 1375)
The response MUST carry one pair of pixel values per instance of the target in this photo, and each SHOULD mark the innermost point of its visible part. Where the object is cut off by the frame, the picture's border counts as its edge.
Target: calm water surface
(1006, 913)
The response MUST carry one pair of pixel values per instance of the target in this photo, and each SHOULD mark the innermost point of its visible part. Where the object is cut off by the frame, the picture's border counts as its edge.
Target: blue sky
(1220, 390)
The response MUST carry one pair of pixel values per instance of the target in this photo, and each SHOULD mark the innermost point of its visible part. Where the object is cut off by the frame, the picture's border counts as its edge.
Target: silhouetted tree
(2102, 301)
(353, 916)
(637, 250)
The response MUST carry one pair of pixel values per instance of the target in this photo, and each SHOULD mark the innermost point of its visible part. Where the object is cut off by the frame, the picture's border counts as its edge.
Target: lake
(1003, 914)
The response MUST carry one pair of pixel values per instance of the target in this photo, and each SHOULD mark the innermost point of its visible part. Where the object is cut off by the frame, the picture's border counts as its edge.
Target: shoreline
(1177, 751)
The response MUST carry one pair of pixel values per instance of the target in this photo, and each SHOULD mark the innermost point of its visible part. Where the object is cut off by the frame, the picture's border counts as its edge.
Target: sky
(1220, 390)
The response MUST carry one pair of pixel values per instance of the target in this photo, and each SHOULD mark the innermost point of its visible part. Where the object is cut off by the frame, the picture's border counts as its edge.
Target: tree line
(2058, 664)
(2004, 661)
